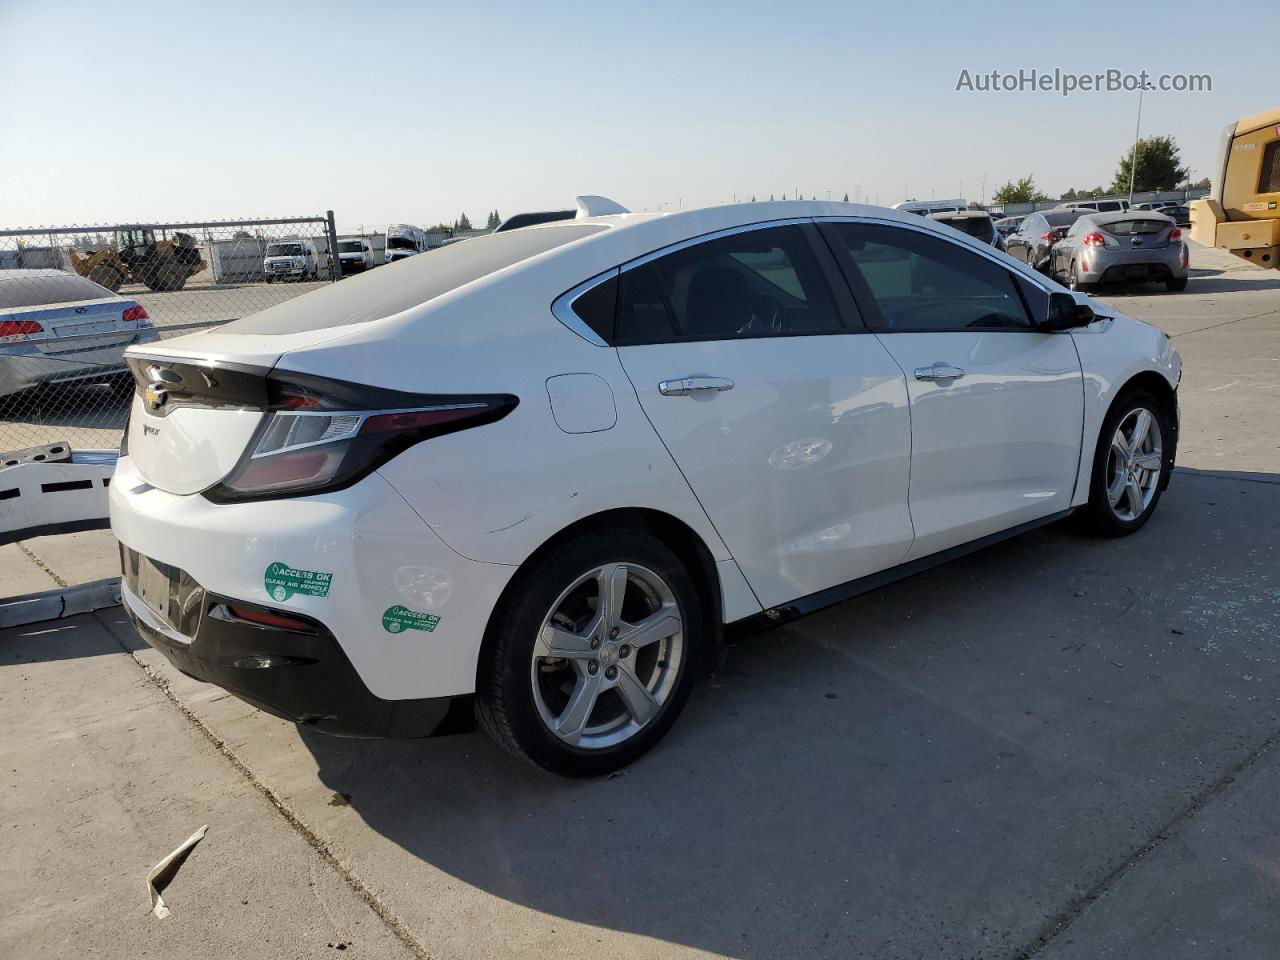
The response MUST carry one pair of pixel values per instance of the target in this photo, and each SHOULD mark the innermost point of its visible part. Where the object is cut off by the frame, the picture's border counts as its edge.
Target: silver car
(1130, 246)
(56, 327)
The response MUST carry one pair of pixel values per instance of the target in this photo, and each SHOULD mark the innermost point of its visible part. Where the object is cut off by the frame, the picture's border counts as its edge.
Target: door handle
(939, 371)
(693, 386)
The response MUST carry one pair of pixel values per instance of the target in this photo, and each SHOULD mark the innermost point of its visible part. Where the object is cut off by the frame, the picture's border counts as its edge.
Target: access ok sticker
(399, 618)
(283, 581)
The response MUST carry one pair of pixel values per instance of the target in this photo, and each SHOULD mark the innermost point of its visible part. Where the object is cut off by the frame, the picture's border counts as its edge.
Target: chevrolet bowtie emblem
(153, 397)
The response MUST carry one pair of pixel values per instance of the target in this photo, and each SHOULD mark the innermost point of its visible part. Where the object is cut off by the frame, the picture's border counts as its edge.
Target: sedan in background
(1131, 246)
(1006, 225)
(58, 327)
(1033, 241)
(537, 476)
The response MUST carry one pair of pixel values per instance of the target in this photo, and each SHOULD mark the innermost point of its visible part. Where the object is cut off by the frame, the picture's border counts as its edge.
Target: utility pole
(1133, 158)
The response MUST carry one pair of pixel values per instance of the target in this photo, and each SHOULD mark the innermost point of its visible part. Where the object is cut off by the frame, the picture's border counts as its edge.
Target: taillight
(1093, 240)
(19, 328)
(1047, 237)
(1175, 235)
(314, 440)
(135, 314)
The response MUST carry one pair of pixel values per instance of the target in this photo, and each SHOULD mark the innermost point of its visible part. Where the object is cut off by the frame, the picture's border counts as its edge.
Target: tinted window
(1135, 227)
(380, 293)
(597, 306)
(925, 283)
(761, 283)
(1062, 218)
(21, 289)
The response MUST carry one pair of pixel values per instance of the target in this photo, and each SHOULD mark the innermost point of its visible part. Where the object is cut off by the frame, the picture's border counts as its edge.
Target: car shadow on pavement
(937, 768)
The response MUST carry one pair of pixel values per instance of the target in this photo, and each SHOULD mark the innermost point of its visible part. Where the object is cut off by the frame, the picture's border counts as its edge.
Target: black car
(1033, 241)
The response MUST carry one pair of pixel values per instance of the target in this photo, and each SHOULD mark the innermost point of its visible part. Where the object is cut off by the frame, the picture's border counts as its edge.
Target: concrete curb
(59, 603)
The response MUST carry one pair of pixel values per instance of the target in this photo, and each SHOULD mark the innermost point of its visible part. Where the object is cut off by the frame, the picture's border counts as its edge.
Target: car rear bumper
(299, 675)
(406, 612)
(1134, 265)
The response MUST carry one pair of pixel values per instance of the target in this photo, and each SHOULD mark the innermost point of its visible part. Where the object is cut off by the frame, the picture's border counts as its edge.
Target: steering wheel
(766, 315)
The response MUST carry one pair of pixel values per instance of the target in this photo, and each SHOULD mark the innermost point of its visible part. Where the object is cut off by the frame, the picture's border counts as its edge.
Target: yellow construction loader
(136, 256)
(1242, 214)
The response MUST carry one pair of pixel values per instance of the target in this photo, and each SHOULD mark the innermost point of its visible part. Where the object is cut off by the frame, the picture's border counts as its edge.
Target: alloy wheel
(607, 656)
(1134, 464)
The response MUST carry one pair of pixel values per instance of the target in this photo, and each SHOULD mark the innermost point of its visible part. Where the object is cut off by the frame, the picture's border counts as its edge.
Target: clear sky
(396, 111)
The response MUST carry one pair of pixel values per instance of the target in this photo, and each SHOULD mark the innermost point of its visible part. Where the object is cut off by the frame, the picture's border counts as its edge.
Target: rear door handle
(693, 386)
(939, 371)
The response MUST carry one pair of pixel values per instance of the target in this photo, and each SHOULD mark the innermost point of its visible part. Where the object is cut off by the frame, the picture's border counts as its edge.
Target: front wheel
(1129, 465)
(592, 654)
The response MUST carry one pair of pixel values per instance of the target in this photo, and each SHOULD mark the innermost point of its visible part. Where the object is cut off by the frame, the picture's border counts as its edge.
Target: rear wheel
(166, 276)
(1129, 465)
(593, 654)
(1074, 281)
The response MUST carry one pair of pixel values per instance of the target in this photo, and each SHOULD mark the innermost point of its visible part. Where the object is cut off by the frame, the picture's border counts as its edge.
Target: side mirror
(1066, 314)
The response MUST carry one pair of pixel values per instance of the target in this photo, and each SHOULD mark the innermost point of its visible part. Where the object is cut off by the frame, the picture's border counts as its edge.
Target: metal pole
(1133, 159)
(335, 265)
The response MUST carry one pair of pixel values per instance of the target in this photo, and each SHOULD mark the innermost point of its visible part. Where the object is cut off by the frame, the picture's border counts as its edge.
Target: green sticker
(283, 581)
(400, 618)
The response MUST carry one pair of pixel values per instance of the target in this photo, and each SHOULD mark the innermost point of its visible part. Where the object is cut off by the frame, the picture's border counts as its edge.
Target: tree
(464, 223)
(493, 220)
(771, 198)
(1159, 167)
(1019, 191)
(846, 198)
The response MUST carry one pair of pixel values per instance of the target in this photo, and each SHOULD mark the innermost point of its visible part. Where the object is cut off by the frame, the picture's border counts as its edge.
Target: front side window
(759, 283)
(922, 283)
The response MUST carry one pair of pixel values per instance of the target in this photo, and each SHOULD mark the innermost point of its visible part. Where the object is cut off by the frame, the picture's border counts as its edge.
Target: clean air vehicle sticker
(399, 618)
(283, 581)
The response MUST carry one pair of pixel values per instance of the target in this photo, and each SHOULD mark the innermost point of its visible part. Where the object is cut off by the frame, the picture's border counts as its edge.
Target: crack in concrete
(322, 847)
(41, 564)
(1224, 323)
(1061, 922)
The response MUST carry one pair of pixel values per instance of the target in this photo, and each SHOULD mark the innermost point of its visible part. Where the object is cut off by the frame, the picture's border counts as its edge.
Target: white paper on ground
(160, 869)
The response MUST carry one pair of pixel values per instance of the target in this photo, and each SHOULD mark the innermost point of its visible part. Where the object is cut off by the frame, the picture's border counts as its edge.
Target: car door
(1019, 244)
(996, 404)
(791, 426)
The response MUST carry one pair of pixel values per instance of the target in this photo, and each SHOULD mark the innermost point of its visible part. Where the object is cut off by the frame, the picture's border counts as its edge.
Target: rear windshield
(381, 293)
(980, 228)
(25, 290)
(1130, 228)
(1060, 218)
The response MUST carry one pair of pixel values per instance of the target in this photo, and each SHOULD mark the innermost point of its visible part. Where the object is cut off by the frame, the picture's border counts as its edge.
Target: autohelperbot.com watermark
(1065, 82)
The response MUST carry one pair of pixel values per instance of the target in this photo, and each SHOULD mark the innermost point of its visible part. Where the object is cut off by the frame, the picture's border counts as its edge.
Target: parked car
(926, 207)
(1007, 225)
(296, 259)
(1178, 214)
(355, 255)
(405, 240)
(1033, 241)
(1102, 206)
(540, 474)
(57, 327)
(1131, 246)
(976, 223)
(1154, 205)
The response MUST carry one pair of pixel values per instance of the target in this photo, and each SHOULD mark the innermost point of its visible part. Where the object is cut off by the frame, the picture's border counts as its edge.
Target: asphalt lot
(1059, 747)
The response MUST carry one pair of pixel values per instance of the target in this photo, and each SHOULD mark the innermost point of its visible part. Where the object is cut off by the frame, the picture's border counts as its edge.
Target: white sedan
(538, 477)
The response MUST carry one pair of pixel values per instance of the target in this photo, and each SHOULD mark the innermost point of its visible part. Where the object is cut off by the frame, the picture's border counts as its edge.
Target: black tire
(1075, 283)
(505, 698)
(1176, 284)
(1099, 516)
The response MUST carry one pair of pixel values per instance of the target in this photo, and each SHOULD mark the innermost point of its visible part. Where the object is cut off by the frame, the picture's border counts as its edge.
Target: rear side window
(596, 308)
(381, 293)
(25, 290)
(1134, 228)
(922, 283)
(759, 283)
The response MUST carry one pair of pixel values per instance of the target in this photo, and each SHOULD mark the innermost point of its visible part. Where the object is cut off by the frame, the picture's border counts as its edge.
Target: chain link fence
(73, 298)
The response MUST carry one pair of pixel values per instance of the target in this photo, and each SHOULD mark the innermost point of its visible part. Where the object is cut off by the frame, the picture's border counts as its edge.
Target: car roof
(34, 273)
(959, 215)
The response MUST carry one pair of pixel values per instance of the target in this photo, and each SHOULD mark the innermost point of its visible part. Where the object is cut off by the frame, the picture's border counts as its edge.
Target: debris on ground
(163, 871)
